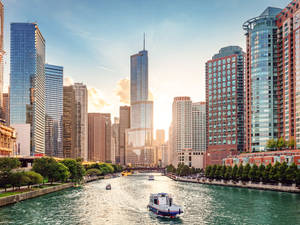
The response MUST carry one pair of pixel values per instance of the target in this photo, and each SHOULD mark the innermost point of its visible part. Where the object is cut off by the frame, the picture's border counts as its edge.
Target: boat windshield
(170, 201)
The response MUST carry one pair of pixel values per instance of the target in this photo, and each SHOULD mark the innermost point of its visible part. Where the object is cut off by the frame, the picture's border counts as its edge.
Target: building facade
(124, 125)
(81, 99)
(139, 138)
(22, 139)
(54, 110)
(27, 81)
(224, 104)
(99, 137)
(69, 125)
(199, 126)
(2, 52)
(5, 111)
(115, 147)
(181, 128)
(7, 141)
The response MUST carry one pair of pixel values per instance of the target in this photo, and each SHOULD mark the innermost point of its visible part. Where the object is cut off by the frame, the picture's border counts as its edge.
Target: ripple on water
(126, 204)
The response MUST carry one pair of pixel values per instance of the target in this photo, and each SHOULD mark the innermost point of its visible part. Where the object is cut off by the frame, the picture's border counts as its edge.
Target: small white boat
(108, 187)
(151, 177)
(162, 205)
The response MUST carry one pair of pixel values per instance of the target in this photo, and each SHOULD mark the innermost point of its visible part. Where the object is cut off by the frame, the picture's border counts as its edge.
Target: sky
(93, 41)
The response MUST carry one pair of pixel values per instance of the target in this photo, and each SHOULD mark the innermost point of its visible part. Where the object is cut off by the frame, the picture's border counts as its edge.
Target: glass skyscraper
(54, 110)
(139, 137)
(261, 80)
(27, 81)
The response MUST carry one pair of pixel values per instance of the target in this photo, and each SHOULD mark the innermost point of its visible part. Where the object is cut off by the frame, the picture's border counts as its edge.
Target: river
(126, 204)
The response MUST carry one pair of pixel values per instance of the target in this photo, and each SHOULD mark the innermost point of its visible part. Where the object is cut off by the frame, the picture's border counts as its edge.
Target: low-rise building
(7, 140)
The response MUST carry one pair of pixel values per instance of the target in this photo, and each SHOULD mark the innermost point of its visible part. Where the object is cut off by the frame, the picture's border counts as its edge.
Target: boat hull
(169, 214)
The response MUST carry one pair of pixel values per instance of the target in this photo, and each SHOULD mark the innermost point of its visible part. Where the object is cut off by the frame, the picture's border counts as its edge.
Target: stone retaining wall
(32, 194)
(261, 186)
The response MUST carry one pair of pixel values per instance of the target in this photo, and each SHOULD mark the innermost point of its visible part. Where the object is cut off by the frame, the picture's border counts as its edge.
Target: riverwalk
(260, 185)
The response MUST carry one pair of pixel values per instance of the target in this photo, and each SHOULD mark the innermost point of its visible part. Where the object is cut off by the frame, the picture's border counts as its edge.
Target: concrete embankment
(260, 186)
(32, 194)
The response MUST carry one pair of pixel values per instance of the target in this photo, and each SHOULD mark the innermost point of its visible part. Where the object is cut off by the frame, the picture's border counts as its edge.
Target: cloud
(68, 81)
(123, 90)
(96, 100)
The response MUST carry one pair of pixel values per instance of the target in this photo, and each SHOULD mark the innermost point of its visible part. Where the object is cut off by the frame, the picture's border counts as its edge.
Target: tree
(171, 169)
(19, 179)
(75, 168)
(266, 173)
(58, 172)
(271, 144)
(34, 178)
(240, 172)
(213, 171)
(6, 166)
(234, 172)
(223, 171)
(245, 174)
(44, 166)
(281, 173)
(207, 171)
(93, 172)
(260, 171)
(292, 143)
(274, 173)
(291, 173)
(297, 178)
(218, 172)
(228, 173)
(185, 171)
(253, 173)
(281, 143)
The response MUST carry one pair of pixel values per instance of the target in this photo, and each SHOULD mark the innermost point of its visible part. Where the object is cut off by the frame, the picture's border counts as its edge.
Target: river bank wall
(259, 186)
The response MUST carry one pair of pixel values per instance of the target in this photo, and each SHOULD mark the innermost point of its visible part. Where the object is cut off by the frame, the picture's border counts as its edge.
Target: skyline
(104, 57)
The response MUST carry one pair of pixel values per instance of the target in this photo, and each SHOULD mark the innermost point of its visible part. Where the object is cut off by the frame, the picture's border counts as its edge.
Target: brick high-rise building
(225, 104)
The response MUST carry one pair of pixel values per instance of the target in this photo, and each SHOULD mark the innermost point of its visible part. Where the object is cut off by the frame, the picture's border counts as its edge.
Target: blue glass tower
(54, 110)
(27, 81)
(139, 149)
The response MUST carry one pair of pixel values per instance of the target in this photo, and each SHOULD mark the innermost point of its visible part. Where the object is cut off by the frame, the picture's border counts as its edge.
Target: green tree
(260, 171)
(207, 171)
(223, 171)
(234, 172)
(213, 171)
(274, 173)
(185, 171)
(266, 173)
(271, 144)
(171, 169)
(281, 173)
(44, 166)
(253, 174)
(34, 178)
(75, 168)
(19, 179)
(228, 173)
(6, 166)
(240, 172)
(245, 174)
(58, 172)
(93, 172)
(218, 172)
(281, 143)
(297, 179)
(292, 143)
(291, 173)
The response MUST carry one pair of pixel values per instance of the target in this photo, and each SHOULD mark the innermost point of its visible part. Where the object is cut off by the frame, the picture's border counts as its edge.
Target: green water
(126, 204)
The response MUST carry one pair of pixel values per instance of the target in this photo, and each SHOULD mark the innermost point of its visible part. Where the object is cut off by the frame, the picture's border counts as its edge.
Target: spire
(144, 41)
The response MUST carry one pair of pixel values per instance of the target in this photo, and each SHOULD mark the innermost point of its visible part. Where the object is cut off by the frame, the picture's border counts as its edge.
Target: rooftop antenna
(144, 41)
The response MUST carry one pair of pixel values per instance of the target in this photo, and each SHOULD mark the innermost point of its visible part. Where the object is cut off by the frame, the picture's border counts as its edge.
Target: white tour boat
(151, 177)
(161, 204)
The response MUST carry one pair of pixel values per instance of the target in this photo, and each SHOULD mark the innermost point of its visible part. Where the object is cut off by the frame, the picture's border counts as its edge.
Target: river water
(126, 204)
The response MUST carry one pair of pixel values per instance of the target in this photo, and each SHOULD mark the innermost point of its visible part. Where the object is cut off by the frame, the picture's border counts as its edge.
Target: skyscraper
(81, 99)
(160, 136)
(225, 104)
(6, 107)
(199, 126)
(54, 110)
(139, 150)
(99, 137)
(124, 125)
(181, 128)
(115, 147)
(2, 52)
(27, 81)
(69, 124)
(261, 80)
